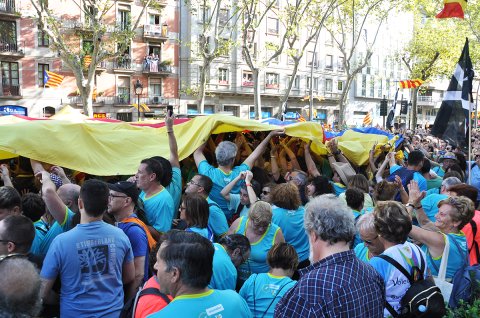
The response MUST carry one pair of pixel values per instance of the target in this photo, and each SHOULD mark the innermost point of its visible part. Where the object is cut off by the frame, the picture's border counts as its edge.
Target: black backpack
(422, 299)
(128, 310)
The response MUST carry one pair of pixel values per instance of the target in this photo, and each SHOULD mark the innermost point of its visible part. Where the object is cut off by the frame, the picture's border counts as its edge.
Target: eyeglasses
(194, 183)
(116, 196)
(370, 242)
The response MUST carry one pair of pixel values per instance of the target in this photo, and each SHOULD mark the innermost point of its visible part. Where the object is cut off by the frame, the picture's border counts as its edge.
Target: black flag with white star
(452, 119)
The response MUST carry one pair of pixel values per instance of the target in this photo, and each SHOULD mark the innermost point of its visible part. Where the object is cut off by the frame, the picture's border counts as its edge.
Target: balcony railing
(10, 90)
(124, 63)
(123, 99)
(7, 6)
(154, 67)
(11, 46)
(428, 99)
(155, 31)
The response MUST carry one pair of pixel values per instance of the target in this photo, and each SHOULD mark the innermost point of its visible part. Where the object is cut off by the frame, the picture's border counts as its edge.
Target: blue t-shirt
(235, 203)
(474, 178)
(175, 187)
(220, 179)
(44, 233)
(263, 291)
(216, 219)
(362, 252)
(396, 284)
(430, 204)
(205, 232)
(211, 304)
(89, 260)
(456, 258)
(257, 262)
(291, 223)
(159, 210)
(224, 272)
(138, 239)
(417, 176)
(338, 187)
(439, 171)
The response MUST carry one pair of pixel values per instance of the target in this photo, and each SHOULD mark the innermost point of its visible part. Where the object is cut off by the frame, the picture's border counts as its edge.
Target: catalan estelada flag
(300, 118)
(87, 60)
(51, 79)
(367, 120)
(410, 83)
(452, 9)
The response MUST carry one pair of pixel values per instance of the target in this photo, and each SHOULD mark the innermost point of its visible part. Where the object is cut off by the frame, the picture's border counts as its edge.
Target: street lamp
(138, 91)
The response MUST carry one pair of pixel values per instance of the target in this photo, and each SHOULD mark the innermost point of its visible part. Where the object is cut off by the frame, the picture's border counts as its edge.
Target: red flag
(452, 9)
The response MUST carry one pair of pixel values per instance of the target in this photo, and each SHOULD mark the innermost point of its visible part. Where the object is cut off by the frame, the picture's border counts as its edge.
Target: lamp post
(138, 91)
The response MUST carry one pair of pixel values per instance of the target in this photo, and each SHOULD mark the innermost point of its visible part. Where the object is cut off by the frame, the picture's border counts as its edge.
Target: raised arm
(172, 141)
(379, 174)
(55, 205)
(198, 154)
(61, 173)
(5, 174)
(250, 161)
(435, 241)
(228, 188)
(311, 166)
(291, 155)
(371, 158)
(252, 196)
(273, 161)
(415, 197)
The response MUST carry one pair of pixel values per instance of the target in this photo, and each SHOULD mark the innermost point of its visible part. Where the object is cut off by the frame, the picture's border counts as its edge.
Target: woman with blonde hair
(261, 233)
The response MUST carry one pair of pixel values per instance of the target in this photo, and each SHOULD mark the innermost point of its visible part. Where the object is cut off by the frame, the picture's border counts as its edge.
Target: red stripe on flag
(451, 10)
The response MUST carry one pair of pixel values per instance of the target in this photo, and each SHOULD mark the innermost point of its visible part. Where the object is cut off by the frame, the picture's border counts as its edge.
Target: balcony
(272, 86)
(10, 48)
(426, 101)
(122, 99)
(123, 65)
(8, 10)
(155, 32)
(10, 91)
(155, 69)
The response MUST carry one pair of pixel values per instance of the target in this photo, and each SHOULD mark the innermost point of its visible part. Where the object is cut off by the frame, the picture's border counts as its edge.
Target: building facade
(25, 54)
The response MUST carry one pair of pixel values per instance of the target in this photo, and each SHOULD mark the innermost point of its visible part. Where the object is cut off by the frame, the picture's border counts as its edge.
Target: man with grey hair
(337, 284)
(225, 154)
(19, 288)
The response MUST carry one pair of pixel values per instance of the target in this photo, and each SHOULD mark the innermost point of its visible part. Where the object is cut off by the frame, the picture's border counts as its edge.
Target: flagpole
(470, 98)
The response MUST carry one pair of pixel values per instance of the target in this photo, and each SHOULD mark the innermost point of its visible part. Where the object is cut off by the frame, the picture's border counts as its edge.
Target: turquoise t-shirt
(291, 223)
(210, 304)
(430, 204)
(338, 187)
(439, 171)
(434, 183)
(433, 191)
(224, 272)
(235, 202)
(396, 284)
(205, 232)
(456, 258)
(362, 252)
(216, 219)
(257, 262)
(175, 187)
(44, 234)
(417, 176)
(159, 210)
(220, 179)
(263, 291)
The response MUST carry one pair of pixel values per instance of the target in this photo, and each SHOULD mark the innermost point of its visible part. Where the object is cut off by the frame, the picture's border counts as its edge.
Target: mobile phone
(170, 110)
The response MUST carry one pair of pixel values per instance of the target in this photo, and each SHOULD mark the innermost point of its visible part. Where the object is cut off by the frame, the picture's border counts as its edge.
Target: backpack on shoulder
(422, 299)
(128, 310)
(466, 283)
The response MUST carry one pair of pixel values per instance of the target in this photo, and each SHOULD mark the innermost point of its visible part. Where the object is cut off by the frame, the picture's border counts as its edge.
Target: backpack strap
(474, 242)
(149, 291)
(398, 266)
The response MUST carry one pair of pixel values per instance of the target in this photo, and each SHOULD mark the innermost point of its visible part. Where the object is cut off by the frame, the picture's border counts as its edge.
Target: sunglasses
(265, 192)
(370, 242)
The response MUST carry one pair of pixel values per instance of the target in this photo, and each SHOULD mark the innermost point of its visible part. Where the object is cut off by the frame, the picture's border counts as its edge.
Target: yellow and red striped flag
(452, 9)
(410, 83)
(51, 79)
(87, 60)
(367, 120)
(301, 118)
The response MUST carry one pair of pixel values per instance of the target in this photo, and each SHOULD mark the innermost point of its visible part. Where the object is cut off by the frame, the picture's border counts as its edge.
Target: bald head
(19, 288)
(69, 193)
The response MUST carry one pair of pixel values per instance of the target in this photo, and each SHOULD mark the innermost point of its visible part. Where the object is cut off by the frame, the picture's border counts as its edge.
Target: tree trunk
(256, 94)
(86, 94)
(284, 98)
(413, 121)
(202, 87)
(343, 102)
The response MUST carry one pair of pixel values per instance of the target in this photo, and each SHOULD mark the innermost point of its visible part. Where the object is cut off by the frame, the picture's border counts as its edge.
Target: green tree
(104, 40)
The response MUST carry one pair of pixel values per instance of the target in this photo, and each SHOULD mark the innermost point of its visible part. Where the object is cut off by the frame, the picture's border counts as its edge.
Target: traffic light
(403, 107)
(383, 107)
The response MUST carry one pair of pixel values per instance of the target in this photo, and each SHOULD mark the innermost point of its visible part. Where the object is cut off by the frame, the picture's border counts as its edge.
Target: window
(87, 47)
(296, 82)
(192, 109)
(203, 43)
(8, 36)
(372, 87)
(204, 15)
(41, 70)
(10, 79)
(154, 19)
(123, 90)
(328, 85)
(223, 16)
(155, 89)
(329, 62)
(124, 20)
(272, 25)
(380, 88)
(235, 110)
(340, 66)
(364, 85)
(88, 16)
(247, 78)
(340, 85)
(272, 80)
(311, 56)
(155, 50)
(209, 109)
(42, 38)
(223, 76)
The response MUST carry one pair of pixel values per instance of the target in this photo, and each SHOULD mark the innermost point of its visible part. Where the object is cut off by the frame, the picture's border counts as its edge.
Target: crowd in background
(250, 225)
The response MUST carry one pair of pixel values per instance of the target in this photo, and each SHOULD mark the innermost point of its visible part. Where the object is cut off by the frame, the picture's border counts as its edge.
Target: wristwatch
(410, 205)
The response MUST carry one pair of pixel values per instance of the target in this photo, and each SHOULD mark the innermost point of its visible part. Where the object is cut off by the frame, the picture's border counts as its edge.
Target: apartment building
(25, 54)
(230, 81)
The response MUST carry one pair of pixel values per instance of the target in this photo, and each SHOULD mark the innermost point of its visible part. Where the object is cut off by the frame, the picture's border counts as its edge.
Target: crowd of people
(250, 225)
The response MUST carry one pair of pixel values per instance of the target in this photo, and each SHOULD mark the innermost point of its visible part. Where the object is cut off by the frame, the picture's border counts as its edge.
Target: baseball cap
(448, 155)
(125, 187)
